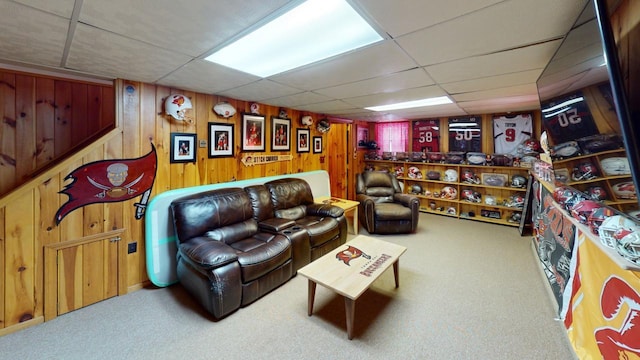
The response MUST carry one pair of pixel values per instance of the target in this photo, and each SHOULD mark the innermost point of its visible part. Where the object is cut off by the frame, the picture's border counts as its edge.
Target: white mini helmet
(450, 175)
(614, 227)
(415, 173)
(449, 192)
(629, 247)
(615, 166)
(224, 109)
(176, 105)
(307, 120)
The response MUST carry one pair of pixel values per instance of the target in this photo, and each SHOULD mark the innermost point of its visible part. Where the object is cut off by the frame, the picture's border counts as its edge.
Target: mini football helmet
(515, 200)
(614, 227)
(176, 105)
(597, 217)
(471, 196)
(531, 146)
(323, 126)
(518, 181)
(416, 189)
(469, 177)
(584, 171)
(415, 173)
(451, 210)
(583, 209)
(450, 175)
(307, 120)
(449, 192)
(597, 193)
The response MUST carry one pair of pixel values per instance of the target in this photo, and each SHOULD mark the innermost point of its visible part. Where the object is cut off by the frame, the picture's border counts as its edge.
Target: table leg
(349, 306)
(396, 275)
(312, 296)
(356, 225)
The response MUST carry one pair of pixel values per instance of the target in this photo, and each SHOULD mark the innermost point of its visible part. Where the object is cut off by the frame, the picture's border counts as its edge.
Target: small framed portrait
(317, 144)
(220, 140)
(362, 137)
(183, 148)
(303, 140)
(280, 134)
(252, 132)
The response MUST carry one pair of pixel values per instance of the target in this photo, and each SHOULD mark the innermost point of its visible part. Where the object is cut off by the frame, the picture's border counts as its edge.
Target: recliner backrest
(378, 184)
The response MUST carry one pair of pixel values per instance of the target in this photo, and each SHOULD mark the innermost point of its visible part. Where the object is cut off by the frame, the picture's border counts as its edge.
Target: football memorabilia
(568, 118)
(614, 166)
(450, 175)
(224, 109)
(415, 173)
(177, 105)
(426, 135)
(565, 150)
(510, 131)
(465, 134)
(625, 190)
(476, 158)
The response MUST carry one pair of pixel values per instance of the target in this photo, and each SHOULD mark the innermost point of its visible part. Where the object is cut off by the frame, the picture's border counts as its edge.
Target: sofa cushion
(260, 202)
(320, 229)
(261, 254)
(231, 233)
(289, 192)
(392, 211)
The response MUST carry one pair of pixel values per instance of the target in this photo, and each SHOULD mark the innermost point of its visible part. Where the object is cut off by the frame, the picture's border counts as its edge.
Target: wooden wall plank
(93, 277)
(26, 162)
(70, 279)
(45, 121)
(7, 132)
(79, 110)
(3, 286)
(62, 130)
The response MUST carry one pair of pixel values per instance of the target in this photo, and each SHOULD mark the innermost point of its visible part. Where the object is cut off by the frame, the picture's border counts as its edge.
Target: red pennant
(110, 181)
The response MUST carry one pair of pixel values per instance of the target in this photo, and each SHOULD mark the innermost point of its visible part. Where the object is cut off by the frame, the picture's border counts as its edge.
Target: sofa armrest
(205, 253)
(324, 210)
(275, 225)
(406, 200)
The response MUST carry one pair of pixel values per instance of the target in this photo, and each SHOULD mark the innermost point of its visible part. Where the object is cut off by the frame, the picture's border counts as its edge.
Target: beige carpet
(468, 290)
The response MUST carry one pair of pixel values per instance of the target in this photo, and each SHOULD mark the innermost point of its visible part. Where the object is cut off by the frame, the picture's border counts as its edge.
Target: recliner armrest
(406, 199)
(324, 210)
(207, 254)
(275, 225)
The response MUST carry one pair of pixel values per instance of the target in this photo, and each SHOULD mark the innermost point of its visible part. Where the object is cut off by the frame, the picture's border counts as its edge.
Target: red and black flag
(350, 253)
(110, 181)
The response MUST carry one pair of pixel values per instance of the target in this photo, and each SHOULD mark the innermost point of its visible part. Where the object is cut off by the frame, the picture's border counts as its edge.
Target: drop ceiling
(485, 54)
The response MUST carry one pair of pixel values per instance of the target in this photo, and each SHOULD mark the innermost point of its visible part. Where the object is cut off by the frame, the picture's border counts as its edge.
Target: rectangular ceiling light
(312, 31)
(412, 104)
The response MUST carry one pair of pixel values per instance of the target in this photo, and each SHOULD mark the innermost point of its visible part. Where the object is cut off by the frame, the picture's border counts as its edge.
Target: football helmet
(323, 126)
(584, 171)
(531, 146)
(615, 166)
(515, 200)
(307, 120)
(518, 181)
(614, 227)
(176, 105)
(399, 171)
(451, 210)
(415, 173)
(583, 209)
(449, 192)
(469, 177)
(224, 109)
(433, 175)
(416, 189)
(629, 247)
(450, 175)
(625, 190)
(597, 217)
(597, 193)
(490, 200)
(471, 196)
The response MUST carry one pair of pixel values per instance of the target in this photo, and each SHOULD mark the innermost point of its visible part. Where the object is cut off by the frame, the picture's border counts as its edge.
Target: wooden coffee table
(349, 206)
(350, 269)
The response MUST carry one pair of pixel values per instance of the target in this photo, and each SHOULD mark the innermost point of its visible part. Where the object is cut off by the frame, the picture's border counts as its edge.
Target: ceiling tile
(384, 84)
(260, 90)
(297, 100)
(518, 90)
(190, 28)
(62, 8)
(492, 82)
(507, 25)
(396, 97)
(41, 43)
(207, 77)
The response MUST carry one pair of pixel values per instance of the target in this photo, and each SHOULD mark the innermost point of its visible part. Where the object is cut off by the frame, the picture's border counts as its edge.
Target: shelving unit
(458, 207)
(603, 180)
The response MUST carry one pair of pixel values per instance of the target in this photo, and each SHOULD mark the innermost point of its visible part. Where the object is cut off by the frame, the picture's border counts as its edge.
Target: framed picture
(280, 134)
(492, 179)
(252, 132)
(303, 140)
(362, 137)
(317, 144)
(183, 148)
(220, 140)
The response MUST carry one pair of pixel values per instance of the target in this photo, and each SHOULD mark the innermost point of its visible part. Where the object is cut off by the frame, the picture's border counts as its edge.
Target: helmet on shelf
(415, 173)
(531, 146)
(449, 192)
(597, 193)
(471, 196)
(629, 247)
(515, 200)
(399, 171)
(625, 190)
(597, 217)
(450, 175)
(518, 181)
(584, 171)
(490, 200)
(615, 166)
(614, 228)
(583, 209)
(177, 105)
(416, 189)
(469, 177)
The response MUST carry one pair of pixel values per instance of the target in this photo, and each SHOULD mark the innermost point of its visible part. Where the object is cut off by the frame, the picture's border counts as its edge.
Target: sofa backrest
(223, 215)
(260, 202)
(290, 197)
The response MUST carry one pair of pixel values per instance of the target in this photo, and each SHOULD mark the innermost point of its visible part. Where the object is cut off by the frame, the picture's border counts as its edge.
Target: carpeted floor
(468, 290)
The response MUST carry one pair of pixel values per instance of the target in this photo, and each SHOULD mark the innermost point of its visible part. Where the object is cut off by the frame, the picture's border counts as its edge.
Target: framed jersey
(465, 134)
(568, 118)
(426, 135)
(509, 131)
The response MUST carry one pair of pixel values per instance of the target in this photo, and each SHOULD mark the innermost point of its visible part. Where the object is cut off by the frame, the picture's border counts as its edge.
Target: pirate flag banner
(110, 181)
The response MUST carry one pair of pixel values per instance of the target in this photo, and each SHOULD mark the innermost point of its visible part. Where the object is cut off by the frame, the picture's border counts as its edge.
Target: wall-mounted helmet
(323, 126)
(224, 109)
(176, 105)
(307, 120)
(597, 193)
(625, 190)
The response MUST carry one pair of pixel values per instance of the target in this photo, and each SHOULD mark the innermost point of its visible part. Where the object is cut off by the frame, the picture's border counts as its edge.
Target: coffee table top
(351, 268)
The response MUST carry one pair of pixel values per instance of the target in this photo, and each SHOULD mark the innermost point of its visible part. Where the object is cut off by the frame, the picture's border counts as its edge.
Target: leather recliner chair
(383, 208)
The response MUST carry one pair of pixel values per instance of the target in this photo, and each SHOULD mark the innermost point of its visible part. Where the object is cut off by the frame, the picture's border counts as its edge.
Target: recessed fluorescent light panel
(412, 104)
(312, 31)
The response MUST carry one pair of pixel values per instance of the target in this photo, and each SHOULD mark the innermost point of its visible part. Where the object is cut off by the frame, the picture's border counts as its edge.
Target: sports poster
(568, 118)
(465, 134)
(509, 131)
(426, 135)
(603, 319)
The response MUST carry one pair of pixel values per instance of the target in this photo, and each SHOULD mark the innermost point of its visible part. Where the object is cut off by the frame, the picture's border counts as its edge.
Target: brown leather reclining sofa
(237, 244)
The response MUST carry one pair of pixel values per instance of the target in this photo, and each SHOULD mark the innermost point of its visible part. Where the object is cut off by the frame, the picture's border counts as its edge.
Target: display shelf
(429, 204)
